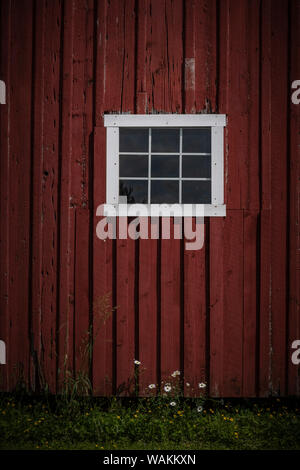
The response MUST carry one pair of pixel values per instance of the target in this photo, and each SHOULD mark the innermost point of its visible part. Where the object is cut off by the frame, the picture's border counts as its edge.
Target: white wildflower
(201, 385)
(200, 409)
(173, 403)
(188, 384)
(137, 362)
(167, 388)
(175, 373)
(152, 386)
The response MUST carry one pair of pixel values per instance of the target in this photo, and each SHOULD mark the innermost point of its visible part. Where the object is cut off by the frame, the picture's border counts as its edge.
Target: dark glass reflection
(134, 139)
(196, 140)
(196, 192)
(164, 192)
(196, 166)
(165, 140)
(164, 166)
(133, 165)
(135, 190)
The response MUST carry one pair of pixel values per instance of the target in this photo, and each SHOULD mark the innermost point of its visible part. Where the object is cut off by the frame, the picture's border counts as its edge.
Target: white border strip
(162, 120)
(217, 165)
(112, 165)
(209, 210)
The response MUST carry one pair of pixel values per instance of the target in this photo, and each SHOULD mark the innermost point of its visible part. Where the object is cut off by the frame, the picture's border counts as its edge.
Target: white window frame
(216, 122)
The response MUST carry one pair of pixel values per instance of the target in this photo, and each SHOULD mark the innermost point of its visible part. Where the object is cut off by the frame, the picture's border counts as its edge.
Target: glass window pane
(196, 166)
(163, 191)
(134, 139)
(196, 140)
(196, 192)
(164, 166)
(133, 165)
(165, 140)
(135, 190)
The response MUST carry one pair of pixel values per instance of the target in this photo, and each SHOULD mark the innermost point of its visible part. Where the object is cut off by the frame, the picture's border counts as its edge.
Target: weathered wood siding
(225, 315)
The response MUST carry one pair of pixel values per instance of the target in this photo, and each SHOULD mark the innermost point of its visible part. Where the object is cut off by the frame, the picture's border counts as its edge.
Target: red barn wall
(225, 315)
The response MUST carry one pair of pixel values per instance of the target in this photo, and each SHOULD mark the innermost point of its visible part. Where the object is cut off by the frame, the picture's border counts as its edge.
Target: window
(166, 159)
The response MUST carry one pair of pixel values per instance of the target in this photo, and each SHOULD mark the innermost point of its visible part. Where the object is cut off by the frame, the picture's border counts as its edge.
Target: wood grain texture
(66, 305)
(4, 189)
(49, 197)
(148, 250)
(36, 374)
(166, 77)
(199, 94)
(274, 189)
(103, 286)
(294, 207)
(19, 171)
(226, 314)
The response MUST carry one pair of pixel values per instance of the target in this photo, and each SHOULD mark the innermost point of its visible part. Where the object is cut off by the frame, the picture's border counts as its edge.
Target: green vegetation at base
(153, 423)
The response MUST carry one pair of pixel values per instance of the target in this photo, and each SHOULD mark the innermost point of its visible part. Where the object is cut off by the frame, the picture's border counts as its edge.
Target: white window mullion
(149, 167)
(217, 165)
(112, 165)
(180, 166)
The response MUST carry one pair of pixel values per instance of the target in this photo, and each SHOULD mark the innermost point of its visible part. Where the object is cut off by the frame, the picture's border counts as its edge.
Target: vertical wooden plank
(250, 303)
(203, 15)
(265, 318)
(265, 227)
(81, 131)
(119, 95)
(148, 299)
(195, 319)
(294, 201)
(216, 274)
(233, 288)
(125, 341)
(170, 306)
(65, 360)
(251, 195)
(103, 255)
(274, 173)
(119, 59)
(148, 255)
(49, 192)
(36, 374)
(226, 280)
(165, 59)
(19, 96)
(103, 294)
(279, 193)
(217, 319)
(238, 98)
(82, 333)
(199, 93)
(233, 96)
(251, 200)
(227, 379)
(126, 275)
(4, 187)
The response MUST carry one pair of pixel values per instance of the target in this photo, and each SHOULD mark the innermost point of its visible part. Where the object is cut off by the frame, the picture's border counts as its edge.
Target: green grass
(152, 424)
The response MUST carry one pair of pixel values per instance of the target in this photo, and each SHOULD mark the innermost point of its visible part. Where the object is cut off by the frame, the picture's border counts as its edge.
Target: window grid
(150, 153)
(149, 166)
(164, 153)
(180, 165)
(161, 178)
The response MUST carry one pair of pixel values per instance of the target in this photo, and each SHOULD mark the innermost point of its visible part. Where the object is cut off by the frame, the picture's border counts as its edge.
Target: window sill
(164, 210)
